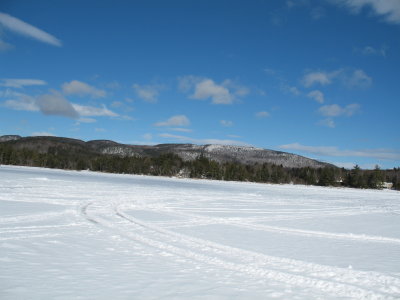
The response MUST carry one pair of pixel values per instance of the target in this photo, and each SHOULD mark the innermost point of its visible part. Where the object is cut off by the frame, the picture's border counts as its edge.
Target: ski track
(198, 220)
(117, 216)
(36, 217)
(331, 280)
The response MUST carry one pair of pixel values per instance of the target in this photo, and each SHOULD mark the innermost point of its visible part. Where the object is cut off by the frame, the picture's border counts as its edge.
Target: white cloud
(262, 114)
(290, 89)
(235, 88)
(86, 120)
(147, 93)
(369, 50)
(15, 25)
(114, 85)
(209, 89)
(178, 120)
(359, 79)
(19, 83)
(335, 110)
(21, 101)
(126, 118)
(346, 165)
(42, 133)
(270, 72)
(205, 88)
(226, 123)
(181, 129)
(388, 9)
(100, 130)
(56, 104)
(186, 139)
(186, 83)
(388, 154)
(148, 136)
(80, 88)
(329, 122)
(117, 104)
(317, 96)
(348, 77)
(91, 111)
(319, 77)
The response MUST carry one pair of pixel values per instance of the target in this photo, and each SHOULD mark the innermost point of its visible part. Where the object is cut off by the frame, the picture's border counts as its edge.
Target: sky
(319, 78)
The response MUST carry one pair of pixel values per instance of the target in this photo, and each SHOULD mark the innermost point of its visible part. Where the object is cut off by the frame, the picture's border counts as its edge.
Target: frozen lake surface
(82, 235)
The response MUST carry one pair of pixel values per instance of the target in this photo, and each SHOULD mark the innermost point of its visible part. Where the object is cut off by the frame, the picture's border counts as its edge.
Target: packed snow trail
(95, 236)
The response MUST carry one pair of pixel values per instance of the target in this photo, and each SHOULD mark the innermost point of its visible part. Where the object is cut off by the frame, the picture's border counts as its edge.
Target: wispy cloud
(148, 136)
(185, 139)
(318, 77)
(19, 101)
(86, 120)
(358, 79)
(20, 27)
(317, 96)
(262, 114)
(388, 9)
(205, 88)
(148, 93)
(290, 89)
(328, 122)
(180, 129)
(20, 83)
(178, 120)
(369, 51)
(226, 123)
(388, 154)
(80, 88)
(92, 111)
(114, 85)
(335, 110)
(351, 78)
(42, 133)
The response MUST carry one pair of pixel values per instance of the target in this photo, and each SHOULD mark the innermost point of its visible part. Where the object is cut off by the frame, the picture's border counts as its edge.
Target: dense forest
(201, 167)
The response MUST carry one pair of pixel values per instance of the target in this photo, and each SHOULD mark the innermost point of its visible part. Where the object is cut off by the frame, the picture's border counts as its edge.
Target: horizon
(149, 145)
(313, 78)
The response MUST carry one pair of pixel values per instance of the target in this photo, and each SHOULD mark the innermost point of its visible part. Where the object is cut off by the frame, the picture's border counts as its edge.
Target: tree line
(202, 167)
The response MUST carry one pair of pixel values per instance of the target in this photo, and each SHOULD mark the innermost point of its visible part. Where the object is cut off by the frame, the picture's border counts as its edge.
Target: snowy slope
(188, 152)
(81, 235)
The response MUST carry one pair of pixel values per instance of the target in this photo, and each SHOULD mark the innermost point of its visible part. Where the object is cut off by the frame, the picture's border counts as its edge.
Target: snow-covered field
(81, 235)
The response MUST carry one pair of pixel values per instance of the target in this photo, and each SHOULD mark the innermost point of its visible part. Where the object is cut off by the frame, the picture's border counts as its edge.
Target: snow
(83, 235)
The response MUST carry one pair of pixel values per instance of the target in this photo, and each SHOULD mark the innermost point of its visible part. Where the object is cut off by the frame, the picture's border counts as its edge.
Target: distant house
(387, 185)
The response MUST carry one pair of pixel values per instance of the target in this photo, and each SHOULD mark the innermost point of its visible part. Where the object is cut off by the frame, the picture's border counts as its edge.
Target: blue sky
(316, 78)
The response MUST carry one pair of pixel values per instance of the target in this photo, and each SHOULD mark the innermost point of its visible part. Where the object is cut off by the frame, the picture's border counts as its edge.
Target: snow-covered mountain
(219, 153)
(6, 138)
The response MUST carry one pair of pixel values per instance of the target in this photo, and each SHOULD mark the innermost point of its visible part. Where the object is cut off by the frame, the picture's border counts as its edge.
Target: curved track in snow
(102, 236)
(340, 282)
